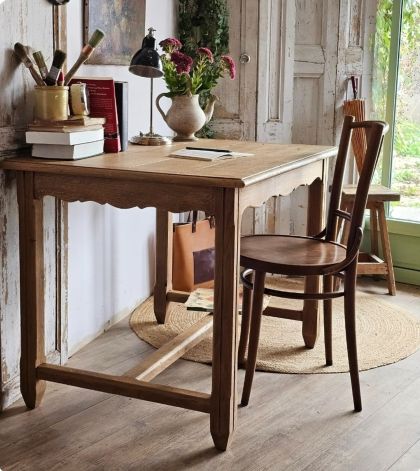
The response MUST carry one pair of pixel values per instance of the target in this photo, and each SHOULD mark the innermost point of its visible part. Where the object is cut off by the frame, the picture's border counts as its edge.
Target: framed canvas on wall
(123, 22)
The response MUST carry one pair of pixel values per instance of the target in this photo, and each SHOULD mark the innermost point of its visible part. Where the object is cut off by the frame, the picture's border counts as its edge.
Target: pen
(205, 148)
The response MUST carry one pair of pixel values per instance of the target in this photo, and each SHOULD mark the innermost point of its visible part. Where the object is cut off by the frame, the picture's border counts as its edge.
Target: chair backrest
(375, 131)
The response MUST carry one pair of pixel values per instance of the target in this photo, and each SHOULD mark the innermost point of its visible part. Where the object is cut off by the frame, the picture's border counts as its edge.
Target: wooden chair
(321, 255)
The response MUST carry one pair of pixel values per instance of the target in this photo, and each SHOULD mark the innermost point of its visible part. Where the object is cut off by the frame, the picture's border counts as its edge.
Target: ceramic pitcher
(185, 115)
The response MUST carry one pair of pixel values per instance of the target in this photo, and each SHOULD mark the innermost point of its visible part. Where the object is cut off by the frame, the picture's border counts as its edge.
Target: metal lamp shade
(146, 63)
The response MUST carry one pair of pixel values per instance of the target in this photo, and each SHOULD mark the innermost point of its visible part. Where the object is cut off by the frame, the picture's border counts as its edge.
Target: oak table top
(154, 163)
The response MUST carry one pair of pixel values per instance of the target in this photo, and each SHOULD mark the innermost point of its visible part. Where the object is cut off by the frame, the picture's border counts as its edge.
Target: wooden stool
(370, 263)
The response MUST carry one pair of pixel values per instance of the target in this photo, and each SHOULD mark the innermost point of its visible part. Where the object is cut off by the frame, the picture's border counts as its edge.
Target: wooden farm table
(146, 176)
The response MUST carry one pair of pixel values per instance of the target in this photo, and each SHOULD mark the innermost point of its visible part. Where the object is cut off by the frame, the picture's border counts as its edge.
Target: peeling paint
(31, 23)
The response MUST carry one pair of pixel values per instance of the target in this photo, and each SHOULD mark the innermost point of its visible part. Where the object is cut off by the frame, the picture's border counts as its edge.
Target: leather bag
(193, 254)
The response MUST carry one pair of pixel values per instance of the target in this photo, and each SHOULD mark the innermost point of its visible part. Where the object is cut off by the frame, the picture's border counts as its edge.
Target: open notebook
(207, 154)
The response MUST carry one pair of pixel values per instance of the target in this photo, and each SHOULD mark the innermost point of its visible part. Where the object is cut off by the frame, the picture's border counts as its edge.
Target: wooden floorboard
(293, 422)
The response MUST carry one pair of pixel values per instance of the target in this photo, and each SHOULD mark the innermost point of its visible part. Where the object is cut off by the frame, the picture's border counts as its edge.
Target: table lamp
(146, 63)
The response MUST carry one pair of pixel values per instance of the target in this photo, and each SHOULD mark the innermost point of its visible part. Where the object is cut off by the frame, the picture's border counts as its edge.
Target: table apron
(126, 193)
(280, 185)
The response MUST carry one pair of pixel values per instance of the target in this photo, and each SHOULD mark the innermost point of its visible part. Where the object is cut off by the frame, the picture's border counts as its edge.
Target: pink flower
(205, 51)
(170, 44)
(229, 64)
(183, 63)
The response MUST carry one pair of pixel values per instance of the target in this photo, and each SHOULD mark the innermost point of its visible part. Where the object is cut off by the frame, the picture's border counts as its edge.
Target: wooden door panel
(235, 113)
(275, 71)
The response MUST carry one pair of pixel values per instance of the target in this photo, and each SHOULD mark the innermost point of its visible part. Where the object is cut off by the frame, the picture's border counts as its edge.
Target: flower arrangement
(187, 76)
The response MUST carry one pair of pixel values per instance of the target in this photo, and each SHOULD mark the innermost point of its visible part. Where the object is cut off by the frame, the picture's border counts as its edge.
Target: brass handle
(244, 58)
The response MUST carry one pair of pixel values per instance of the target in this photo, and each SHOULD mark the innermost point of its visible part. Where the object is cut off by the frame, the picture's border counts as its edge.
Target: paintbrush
(58, 61)
(22, 55)
(86, 52)
(40, 62)
(60, 80)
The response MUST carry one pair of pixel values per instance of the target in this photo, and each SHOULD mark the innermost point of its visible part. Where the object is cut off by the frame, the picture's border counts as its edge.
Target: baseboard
(10, 393)
(114, 320)
(405, 275)
(11, 389)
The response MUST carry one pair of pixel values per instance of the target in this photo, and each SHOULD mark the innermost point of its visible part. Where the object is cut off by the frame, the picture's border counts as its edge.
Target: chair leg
(386, 249)
(254, 334)
(328, 284)
(350, 323)
(246, 315)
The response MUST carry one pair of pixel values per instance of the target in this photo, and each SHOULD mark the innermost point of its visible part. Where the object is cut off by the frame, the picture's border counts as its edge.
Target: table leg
(225, 321)
(163, 263)
(310, 317)
(31, 290)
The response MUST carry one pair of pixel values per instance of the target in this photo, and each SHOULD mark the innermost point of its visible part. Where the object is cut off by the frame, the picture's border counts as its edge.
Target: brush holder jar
(51, 103)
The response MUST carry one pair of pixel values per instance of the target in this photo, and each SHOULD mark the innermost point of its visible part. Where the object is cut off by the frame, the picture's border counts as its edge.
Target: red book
(102, 103)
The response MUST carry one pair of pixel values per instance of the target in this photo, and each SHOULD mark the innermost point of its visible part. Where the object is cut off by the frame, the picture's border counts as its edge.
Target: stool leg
(328, 284)
(254, 334)
(374, 230)
(386, 249)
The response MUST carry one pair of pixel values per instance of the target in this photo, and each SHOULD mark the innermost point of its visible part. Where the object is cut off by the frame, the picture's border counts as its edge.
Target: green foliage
(405, 176)
(203, 23)
(407, 138)
(381, 53)
(410, 36)
(177, 83)
(406, 132)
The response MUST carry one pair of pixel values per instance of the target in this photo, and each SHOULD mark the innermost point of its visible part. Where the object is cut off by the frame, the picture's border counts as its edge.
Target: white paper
(208, 155)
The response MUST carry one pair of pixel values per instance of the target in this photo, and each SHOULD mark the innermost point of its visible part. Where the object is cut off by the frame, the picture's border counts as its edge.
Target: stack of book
(72, 139)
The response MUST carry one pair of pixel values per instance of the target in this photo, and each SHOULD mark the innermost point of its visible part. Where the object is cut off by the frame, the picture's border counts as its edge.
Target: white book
(207, 154)
(64, 138)
(62, 152)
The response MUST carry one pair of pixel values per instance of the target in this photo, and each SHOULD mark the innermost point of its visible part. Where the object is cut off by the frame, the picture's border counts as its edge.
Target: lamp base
(150, 139)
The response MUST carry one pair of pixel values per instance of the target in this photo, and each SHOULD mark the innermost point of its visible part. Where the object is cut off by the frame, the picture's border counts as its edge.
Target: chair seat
(376, 193)
(289, 255)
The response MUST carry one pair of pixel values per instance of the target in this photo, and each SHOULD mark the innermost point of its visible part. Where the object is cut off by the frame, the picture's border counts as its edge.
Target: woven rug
(385, 335)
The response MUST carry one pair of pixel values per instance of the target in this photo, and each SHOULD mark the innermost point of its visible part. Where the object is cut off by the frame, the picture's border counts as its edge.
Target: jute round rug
(386, 334)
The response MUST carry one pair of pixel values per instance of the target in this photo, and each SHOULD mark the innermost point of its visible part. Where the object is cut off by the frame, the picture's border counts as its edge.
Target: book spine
(103, 104)
(121, 95)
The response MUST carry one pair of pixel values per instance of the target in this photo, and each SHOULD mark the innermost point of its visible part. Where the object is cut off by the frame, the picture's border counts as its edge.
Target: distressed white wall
(111, 251)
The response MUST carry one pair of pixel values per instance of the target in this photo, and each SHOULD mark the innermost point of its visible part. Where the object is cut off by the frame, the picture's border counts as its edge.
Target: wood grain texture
(171, 351)
(283, 184)
(124, 386)
(234, 115)
(386, 249)
(31, 290)
(314, 225)
(223, 416)
(163, 283)
(153, 164)
(376, 193)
